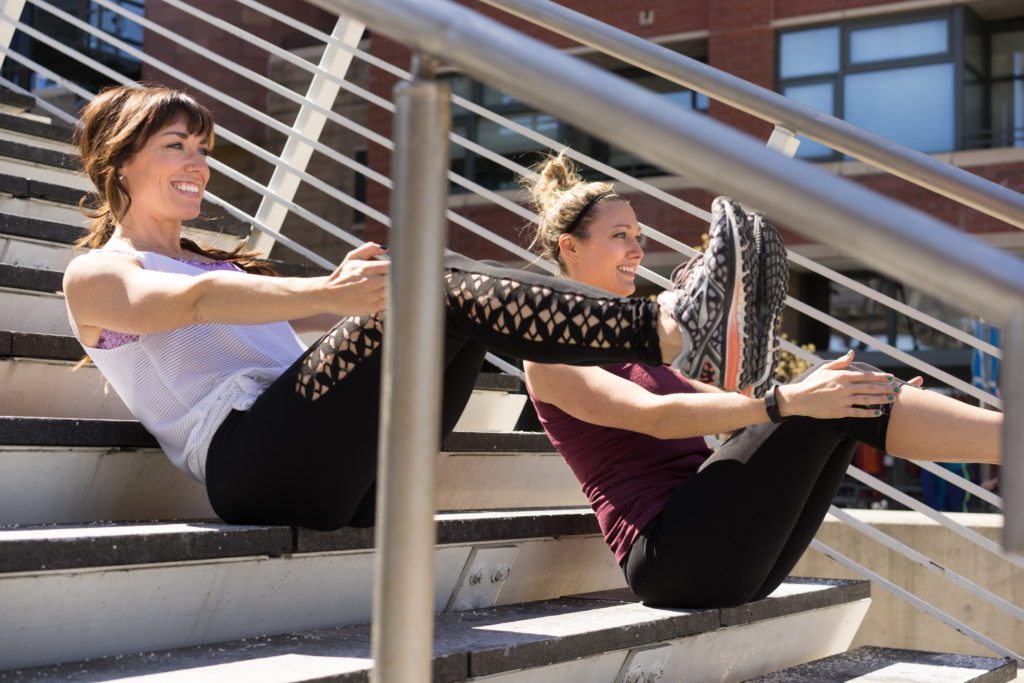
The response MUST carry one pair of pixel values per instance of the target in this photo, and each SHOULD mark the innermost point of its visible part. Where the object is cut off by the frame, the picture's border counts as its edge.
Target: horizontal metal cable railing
(492, 196)
(910, 598)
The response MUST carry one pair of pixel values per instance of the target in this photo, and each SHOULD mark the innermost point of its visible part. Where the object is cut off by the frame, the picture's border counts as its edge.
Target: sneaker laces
(679, 273)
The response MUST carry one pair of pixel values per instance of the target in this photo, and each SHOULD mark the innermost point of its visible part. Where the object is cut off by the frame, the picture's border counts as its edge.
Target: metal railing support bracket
(484, 575)
(784, 141)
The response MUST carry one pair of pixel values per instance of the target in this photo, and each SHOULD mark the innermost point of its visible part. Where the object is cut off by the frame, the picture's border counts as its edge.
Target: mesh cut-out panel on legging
(337, 354)
(537, 313)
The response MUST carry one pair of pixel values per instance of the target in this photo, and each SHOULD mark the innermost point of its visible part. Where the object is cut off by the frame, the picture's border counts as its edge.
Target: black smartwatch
(771, 405)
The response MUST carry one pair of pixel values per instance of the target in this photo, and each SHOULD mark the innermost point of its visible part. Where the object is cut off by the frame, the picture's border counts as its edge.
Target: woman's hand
(360, 284)
(835, 388)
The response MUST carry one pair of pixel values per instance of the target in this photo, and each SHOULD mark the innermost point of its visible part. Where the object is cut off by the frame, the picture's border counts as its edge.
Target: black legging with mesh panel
(305, 453)
(733, 532)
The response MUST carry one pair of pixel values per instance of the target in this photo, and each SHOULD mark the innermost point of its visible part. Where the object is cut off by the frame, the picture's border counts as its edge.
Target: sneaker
(713, 302)
(771, 304)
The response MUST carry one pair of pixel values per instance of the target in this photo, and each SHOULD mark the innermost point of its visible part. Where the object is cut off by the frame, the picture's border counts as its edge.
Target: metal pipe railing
(918, 168)
(403, 601)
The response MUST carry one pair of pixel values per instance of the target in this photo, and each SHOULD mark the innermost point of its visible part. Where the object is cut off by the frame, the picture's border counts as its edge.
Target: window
(118, 26)
(898, 78)
(1006, 89)
(512, 145)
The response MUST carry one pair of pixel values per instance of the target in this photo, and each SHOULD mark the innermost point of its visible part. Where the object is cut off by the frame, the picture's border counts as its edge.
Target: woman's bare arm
(110, 290)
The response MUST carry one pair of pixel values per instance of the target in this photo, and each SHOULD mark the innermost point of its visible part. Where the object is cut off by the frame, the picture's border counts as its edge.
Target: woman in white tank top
(201, 344)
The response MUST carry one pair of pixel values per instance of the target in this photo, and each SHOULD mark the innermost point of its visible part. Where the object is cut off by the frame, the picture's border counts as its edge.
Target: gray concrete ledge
(36, 189)
(59, 431)
(120, 544)
(38, 229)
(39, 155)
(466, 644)
(908, 666)
(30, 279)
(51, 131)
(13, 99)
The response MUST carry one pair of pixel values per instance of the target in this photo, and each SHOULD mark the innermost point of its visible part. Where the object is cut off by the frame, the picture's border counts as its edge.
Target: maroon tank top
(627, 476)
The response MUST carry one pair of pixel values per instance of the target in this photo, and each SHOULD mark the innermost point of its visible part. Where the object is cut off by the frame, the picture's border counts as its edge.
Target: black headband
(586, 207)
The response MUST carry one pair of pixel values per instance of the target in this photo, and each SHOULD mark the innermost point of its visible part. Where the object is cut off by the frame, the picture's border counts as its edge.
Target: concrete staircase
(112, 565)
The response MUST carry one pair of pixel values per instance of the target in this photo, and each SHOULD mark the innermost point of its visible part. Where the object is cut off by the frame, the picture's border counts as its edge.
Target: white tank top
(183, 383)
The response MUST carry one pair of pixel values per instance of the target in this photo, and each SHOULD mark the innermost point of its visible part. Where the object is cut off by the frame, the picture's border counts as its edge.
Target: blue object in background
(985, 368)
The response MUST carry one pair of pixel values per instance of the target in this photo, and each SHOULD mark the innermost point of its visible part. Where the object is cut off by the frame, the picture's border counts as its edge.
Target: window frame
(954, 54)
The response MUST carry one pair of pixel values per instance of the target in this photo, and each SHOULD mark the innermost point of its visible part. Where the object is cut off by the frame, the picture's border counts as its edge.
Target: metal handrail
(918, 168)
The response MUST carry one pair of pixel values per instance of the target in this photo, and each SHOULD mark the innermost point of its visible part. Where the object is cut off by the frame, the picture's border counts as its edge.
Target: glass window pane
(805, 53)
(1008, 114)
(683, 98)
(1008, 54)
(818, 96)
(913, 106)
(975, 135)
(496, 98)
(504, 141)
(899, 41)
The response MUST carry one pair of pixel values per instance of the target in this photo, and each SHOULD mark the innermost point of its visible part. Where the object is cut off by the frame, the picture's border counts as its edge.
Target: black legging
(305, 453)
(733, 532)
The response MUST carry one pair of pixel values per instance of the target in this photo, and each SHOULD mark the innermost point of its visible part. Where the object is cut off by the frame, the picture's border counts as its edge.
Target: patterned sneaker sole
(718, 315)
(741, 315)
(772, 290)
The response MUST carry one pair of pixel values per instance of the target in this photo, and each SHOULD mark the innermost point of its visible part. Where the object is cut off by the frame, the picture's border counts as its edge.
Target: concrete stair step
(19, 127)
(46, 431)
(889, 665)
(13, 103)
(66, 470)
(41, 164)
(48, 245)
(581, 637)
(86, 591)
(25, 188)
(39, 382)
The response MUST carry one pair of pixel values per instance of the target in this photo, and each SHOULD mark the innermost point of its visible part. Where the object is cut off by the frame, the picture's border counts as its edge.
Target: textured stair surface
(888, 665)
(580, 630)
(52, 431)
(98, 544)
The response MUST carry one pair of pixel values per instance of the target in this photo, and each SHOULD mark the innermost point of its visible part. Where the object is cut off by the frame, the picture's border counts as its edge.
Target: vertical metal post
(403, 605)
(310, 123)
(11, 9)
(1011, 477)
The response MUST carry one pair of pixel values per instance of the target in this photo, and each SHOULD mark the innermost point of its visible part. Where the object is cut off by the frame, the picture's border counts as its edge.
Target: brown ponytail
(564, 203)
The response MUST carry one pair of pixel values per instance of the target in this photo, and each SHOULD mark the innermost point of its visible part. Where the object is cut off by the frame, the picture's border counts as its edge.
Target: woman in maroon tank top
(696, 529)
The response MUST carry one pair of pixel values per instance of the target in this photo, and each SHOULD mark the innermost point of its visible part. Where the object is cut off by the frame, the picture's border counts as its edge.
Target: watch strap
(771, 405)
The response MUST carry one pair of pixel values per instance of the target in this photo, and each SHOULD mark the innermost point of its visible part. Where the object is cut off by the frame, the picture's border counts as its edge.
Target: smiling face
(167, 175)
(609, 252)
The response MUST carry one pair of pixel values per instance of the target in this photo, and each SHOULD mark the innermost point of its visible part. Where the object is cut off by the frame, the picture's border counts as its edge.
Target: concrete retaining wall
(894, 623)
